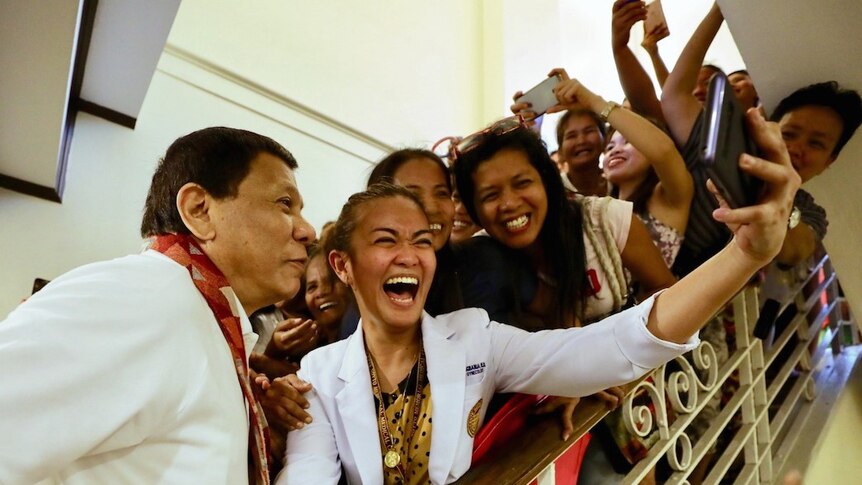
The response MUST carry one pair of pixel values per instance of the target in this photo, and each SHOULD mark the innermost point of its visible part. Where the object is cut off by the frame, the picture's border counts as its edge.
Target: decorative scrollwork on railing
(706, 361)
(683, 385)
(638, 417)
(679, 455)
(680, 388)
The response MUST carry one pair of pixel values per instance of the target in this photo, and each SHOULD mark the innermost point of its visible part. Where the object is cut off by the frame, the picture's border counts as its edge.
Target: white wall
(403, 72)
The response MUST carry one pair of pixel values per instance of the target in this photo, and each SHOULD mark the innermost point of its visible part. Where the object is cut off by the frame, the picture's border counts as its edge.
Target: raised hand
(650, 42)
(759, 230)
(624, 14)
(294, 337)
(522, 109)
(571, 94)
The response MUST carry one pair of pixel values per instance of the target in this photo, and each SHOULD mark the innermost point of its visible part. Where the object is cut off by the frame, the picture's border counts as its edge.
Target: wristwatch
(795, 217)
(610, 106)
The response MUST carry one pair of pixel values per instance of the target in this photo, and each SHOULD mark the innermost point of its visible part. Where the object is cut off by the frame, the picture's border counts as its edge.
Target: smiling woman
(577, 247)
(326, 296)
(401, 400)
(472, 273)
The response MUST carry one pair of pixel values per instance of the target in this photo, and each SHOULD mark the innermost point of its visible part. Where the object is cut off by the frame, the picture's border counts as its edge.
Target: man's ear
(341, 265)
(194, 204)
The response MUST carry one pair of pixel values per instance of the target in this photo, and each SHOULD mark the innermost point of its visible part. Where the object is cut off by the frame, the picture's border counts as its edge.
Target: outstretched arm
(652, 142)
(678, 104)
(630, 343)
(635, 82)
(650, 44)
(759, 232)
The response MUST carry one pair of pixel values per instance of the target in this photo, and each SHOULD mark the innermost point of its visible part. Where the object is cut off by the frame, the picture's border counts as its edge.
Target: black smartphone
(725, 138)
(541, 96)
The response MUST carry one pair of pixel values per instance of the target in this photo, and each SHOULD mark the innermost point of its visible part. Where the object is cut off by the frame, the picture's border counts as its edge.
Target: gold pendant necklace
(392, 458)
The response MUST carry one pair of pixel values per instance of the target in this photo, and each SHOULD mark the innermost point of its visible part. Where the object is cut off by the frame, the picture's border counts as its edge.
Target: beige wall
(404, 72)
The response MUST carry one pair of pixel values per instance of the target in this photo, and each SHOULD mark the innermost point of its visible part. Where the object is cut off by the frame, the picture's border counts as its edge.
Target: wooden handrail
(540, 445)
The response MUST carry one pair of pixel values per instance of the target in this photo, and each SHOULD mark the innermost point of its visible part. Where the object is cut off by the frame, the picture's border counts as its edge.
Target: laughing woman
(401, 399)
(474, 272)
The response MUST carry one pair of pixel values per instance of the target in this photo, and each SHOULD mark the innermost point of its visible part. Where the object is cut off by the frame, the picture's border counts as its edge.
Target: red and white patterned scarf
(209, 281)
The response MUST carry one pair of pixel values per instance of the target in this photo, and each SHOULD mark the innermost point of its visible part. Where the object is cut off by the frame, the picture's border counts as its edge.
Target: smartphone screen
(725, 138)
(541, 97)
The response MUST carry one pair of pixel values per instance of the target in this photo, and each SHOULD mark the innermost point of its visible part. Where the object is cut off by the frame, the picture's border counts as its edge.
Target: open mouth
(459, 224)
(613, 162)
(518, 223)
(401, 289)
(326, 305)
(435, 227)
(582, 152)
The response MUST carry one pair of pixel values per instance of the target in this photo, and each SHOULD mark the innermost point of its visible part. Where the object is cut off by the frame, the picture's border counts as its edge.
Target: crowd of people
(375, 350)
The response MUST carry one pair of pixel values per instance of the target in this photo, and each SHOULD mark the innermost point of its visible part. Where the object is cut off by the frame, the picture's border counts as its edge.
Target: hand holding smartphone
(655, 24)
(724, 138)
(541, 96)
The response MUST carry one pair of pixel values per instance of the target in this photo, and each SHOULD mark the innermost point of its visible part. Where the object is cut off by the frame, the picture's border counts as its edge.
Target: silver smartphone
(541, 96)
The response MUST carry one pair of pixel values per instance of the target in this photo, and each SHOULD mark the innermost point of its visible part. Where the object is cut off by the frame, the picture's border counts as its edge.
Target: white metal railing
(762, 409)
(766, 405)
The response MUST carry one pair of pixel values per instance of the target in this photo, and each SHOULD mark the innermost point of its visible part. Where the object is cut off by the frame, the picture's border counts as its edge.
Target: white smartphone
(655, 19)
(541, 96)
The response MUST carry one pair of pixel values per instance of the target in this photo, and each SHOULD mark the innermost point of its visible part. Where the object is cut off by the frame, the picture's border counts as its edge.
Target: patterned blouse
(415, 449)
(666, 238)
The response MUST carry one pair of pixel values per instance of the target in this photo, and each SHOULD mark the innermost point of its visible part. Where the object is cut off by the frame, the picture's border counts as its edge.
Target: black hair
(846, 103)
(342, 233)
(218, 159)
(317, 250)
(573, 113)
(561, 236)
(640, 196)
(384, 170)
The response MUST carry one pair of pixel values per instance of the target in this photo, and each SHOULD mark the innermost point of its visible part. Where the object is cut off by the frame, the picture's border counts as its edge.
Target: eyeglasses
(446, 151)
(506, 125)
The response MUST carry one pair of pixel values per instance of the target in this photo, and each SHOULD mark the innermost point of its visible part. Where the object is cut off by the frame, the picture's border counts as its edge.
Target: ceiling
(62, 57)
